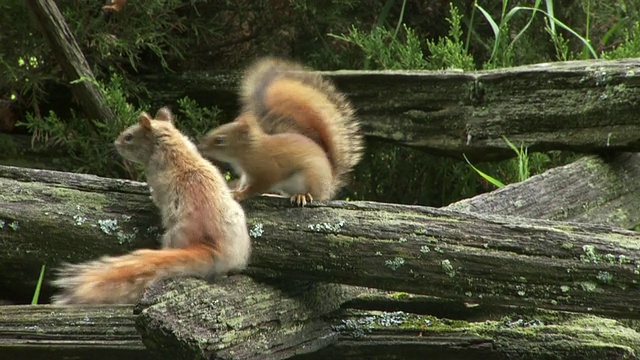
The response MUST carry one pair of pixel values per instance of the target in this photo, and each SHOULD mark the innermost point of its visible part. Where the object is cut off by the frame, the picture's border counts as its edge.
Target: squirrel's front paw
(238, 195)
(301, 199)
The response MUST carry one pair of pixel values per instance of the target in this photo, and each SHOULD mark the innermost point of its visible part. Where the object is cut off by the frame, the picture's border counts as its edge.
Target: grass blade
(489, 178)
(36, 293)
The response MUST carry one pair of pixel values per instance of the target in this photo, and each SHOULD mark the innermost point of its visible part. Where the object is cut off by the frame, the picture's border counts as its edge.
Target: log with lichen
(578, 105)
(397, 335)
(385, 334)
(107, 332)
(238, 318)
(50, 217)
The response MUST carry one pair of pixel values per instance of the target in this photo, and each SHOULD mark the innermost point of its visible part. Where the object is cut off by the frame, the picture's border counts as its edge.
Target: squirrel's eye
(219, 140)
(128, 137)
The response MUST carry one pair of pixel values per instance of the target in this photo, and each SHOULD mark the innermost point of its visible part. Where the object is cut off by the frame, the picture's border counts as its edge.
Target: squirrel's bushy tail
(123, 279)
(288, 97)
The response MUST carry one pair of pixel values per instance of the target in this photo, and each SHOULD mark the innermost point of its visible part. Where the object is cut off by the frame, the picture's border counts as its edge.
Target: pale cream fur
(205, 228)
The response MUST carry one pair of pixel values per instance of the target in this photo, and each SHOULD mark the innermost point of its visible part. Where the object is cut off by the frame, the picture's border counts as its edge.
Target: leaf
(489, 178)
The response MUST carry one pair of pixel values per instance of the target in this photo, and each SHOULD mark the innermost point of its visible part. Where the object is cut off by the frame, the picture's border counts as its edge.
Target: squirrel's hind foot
(301, 199)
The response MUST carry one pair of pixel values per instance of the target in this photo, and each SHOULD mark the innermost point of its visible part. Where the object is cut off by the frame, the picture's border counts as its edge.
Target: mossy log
(585, 106)
(373, 335)
(237, 318)
(107, 332)
(50, 217)
(70, 57)
(592, 189)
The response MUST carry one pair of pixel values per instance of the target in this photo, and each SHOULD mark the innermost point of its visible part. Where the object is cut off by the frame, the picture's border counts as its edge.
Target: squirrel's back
(287, 97)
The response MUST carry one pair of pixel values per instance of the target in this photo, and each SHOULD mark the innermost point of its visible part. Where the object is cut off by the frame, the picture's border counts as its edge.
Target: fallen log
(453, 255)
(49, 332)
(237, 318)
(584, 106)
(372, 335)
(592, 189)
(104, 332)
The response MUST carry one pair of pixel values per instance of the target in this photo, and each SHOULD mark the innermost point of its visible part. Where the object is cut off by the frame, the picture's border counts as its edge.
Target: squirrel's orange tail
(278, 90)
(123, 279)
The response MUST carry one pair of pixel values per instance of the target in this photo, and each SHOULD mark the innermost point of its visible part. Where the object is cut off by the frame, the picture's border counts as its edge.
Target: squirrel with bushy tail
(296, 134)
(205, 228)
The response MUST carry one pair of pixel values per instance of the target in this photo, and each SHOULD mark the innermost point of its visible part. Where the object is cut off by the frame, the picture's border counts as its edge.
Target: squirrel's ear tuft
(145, 121)
(164, 114)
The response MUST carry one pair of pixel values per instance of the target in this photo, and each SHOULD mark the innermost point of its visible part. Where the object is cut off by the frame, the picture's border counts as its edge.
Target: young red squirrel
(205, 229)
(296, 134)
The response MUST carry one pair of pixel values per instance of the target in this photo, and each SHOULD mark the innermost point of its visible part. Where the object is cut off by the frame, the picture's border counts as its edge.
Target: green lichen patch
(399, 295)
(589, 255)
(256, 231)
(448, 268)
(327, 227)
(605, 277)
(394, 264)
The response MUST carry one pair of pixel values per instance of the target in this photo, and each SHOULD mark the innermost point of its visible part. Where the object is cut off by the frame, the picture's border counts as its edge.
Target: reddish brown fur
(287, 97)
(296, 134)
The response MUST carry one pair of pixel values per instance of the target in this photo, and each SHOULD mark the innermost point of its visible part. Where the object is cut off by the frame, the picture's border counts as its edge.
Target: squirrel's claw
(301, 199)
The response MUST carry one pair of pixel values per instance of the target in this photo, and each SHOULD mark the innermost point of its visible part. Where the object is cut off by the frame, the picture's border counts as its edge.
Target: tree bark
(585, 106)
(248, 319)
(591, 190)
(371, 335)
(467, 257)
(69, 332)
(107, 332)
(72, 61)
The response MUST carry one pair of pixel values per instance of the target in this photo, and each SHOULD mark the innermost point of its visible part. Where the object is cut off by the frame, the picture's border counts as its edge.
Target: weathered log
(104, 332)
(48, 332)
(577, 105)
(237, 318)
(591, 190)
(71, 60)
(468, 257)
(371, 335)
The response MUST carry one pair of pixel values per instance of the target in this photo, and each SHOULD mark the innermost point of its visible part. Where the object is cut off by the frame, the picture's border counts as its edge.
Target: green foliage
(502, 54)
(89, 143)
(629, 48)
(392, 49)
(196, 120)
(156, 30)
(521, 163)
(384, 49)
(36, 293)
(450, 51)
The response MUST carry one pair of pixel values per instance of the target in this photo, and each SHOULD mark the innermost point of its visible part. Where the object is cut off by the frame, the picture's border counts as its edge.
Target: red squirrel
(296, 134)
(205, 228)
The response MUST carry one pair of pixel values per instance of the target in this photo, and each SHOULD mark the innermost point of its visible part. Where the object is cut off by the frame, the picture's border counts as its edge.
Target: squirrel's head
(138, 142)
(230, 141)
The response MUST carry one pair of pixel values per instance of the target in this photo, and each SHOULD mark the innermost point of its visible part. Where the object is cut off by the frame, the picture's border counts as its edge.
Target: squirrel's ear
(145, 121)
(164, 114)
(247, 120)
